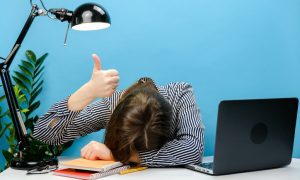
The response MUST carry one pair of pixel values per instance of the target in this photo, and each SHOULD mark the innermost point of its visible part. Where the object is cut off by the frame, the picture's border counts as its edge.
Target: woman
(150, 125)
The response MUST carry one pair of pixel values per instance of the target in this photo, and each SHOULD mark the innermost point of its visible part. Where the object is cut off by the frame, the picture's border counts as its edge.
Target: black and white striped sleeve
(188, 145)
(60, 125)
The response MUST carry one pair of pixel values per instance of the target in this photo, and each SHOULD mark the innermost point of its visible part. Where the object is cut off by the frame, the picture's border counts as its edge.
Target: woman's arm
(187, 147)
(73, 116)
(103, 83)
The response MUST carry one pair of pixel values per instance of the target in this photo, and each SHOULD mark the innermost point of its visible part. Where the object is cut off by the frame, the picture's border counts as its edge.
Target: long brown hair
(140, 122)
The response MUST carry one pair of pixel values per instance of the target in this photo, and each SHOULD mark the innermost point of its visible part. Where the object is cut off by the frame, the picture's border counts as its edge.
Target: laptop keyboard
(208, 165)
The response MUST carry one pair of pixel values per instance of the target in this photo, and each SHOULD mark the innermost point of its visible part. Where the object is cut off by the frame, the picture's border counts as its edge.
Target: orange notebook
(81, 174)
(90, 165)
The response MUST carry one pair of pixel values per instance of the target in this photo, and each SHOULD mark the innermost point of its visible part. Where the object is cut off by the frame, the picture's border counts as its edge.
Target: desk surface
(290, 172)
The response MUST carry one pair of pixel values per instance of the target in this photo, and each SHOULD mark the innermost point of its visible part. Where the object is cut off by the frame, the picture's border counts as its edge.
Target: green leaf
(41, 60)
(37, 68)
(2, 116)
(24, 110)
(33, 107)
(30, 55)
(27, 64)
(29, 123)
(7, 125)
(22, 77)
(36, 74)
(22, 98)
(35, 119)
(7, 155)
(37, 80)
(37, 86)
(11, 138)
(17, 89)
(2, 98)
(21, 84)
(26, 100)
(6, 113)
(25, 70)
(35, 94)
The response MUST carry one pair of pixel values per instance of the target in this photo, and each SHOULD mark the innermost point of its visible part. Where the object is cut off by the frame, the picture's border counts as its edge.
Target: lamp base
(26, 164)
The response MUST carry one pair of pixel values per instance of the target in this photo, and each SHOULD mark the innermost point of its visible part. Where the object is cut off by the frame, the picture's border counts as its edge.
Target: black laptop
(252, 134)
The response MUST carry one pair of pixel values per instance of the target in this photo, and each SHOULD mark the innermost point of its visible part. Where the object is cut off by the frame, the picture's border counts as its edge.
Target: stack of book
(89, 169)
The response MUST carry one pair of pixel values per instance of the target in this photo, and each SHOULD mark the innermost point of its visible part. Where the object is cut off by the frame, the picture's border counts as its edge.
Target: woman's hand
(103, 82)
(135, 158)
(95, 150)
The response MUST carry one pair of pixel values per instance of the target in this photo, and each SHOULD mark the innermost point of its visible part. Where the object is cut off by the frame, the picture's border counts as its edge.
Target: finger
(88, 153)
(97, 62)
(114, 86)
(83, 151)
(93, 155)
(114, 80)
(112, 72)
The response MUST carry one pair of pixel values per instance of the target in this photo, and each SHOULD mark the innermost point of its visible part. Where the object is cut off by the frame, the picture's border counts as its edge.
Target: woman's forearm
(81, 98)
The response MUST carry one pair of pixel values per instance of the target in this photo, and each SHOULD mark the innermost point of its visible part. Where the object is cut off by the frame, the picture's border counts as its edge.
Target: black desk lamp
(88, 16)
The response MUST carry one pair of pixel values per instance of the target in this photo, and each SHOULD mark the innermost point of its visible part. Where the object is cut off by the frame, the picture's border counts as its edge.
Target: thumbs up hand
(103, 83)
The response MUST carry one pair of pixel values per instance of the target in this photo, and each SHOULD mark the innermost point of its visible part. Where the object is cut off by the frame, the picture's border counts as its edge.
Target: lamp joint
(62, 14)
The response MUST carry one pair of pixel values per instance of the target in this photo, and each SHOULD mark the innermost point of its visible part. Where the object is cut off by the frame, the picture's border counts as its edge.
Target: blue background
(227, 49)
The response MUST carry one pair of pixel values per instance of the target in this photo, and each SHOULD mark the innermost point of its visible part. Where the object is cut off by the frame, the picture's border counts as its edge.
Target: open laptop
(252, 135)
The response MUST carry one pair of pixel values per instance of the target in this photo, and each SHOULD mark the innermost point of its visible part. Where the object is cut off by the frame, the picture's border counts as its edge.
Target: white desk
(291, 172)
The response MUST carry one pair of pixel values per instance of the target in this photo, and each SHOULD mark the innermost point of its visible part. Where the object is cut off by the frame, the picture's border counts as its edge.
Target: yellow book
(90, 165)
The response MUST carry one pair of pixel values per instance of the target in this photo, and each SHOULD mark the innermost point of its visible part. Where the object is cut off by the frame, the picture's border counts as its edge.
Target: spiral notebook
(82, 174)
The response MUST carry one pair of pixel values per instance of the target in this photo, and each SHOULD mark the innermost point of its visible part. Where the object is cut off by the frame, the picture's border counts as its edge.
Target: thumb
(97, 62)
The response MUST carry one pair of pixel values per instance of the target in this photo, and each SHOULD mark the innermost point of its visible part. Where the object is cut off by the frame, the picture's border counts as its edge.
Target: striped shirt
(60, 125)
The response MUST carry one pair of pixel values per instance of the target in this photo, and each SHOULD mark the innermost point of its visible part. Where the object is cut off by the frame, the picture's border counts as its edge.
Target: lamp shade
(90, 16)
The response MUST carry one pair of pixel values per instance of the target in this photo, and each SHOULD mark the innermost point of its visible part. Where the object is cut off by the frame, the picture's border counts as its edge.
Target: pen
(134, 169)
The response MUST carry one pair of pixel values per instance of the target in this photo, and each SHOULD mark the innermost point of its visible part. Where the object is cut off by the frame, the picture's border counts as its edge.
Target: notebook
(90, 165)
(82, 174)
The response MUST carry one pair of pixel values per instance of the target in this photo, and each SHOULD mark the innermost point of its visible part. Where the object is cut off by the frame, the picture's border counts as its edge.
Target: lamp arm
(20, 129)
(21, 37)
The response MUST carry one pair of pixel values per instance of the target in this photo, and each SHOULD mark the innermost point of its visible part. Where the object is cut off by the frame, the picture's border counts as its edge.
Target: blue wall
(227, 49)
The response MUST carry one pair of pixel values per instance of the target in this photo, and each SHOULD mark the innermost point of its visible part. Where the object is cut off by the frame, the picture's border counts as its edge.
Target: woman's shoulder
(174, 90)
(177, 87)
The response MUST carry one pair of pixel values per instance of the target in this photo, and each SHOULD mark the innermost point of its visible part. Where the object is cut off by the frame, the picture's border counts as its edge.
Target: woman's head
(140, 122)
